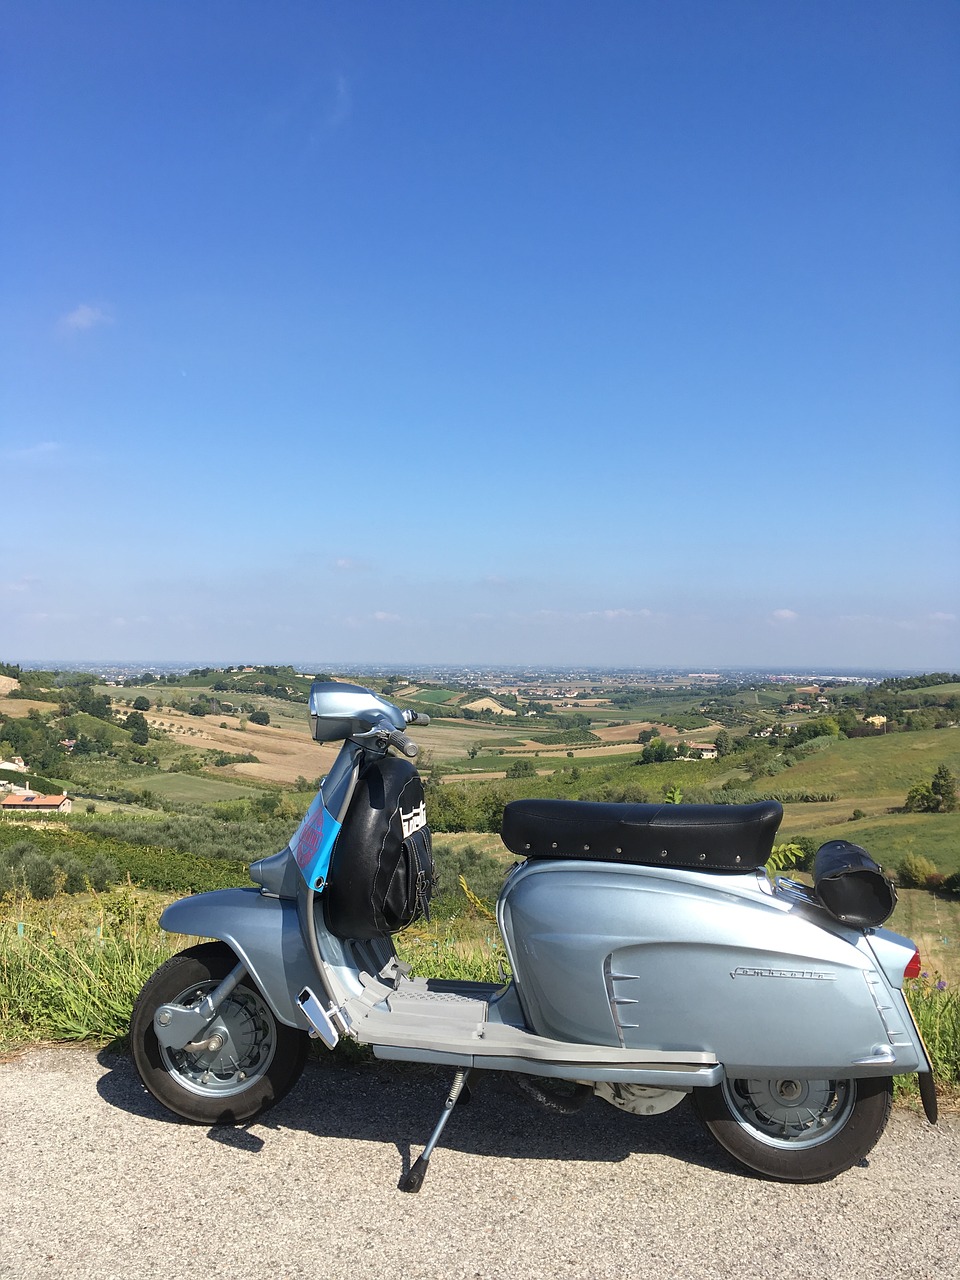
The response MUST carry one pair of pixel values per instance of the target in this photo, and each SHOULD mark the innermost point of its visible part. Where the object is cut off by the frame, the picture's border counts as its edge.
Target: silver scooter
(651, 956)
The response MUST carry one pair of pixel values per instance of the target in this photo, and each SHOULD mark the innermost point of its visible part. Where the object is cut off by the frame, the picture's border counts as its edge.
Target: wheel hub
(238, 1046)
(790, 1113)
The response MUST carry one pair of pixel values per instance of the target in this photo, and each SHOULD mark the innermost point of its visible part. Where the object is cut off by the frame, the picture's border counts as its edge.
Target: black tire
(260, 1062)
(797, 1130)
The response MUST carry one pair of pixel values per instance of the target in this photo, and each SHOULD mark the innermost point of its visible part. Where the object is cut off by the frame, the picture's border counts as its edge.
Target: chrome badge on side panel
(814, 975)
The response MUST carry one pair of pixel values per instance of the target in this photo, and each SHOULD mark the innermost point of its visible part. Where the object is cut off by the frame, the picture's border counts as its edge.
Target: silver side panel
(648, 958)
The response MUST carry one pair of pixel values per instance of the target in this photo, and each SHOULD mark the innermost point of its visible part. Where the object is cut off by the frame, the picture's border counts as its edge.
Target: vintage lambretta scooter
(652, 958)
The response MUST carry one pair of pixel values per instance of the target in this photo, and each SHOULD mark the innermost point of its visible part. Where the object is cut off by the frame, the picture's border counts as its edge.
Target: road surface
(98, 1182)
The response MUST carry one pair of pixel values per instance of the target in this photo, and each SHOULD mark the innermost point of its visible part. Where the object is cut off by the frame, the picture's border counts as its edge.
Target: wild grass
(936, 1009)
(468, 948)
(71, 968)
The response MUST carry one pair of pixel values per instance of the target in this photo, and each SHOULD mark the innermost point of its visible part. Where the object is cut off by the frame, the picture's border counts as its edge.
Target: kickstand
(413, 1180)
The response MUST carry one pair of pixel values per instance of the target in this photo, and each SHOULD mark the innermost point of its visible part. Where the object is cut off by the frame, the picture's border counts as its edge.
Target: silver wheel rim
(790, 1114)
(249, 1043)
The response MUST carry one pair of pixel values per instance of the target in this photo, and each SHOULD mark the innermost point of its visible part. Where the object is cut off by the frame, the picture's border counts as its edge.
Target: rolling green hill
(874, 766)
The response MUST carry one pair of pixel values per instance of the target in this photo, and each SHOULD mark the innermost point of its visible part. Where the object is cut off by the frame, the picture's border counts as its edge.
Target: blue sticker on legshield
(312, 843)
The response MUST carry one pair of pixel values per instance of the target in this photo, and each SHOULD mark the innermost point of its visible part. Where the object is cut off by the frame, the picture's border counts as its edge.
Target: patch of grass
(888, 838)
(71, 969)
(187, 788)
(937, 1013)
(93, 727)
(858, 767)
(932, 920)
(471, 951)
(437, 695)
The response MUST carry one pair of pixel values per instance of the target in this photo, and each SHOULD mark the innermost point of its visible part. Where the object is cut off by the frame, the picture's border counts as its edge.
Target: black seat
(708, 837)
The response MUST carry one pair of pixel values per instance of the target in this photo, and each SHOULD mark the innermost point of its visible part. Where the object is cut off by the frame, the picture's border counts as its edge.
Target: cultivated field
(286, 751)
(18, 708)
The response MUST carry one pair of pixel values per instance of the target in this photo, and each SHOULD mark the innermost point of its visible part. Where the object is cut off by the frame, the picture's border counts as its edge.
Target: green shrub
(915, 871)
(39, 876)
(106, 860)
(481, 870)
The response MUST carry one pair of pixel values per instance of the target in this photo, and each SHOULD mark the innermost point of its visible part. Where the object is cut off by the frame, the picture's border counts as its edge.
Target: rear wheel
(257, 1061)
(797, 1130)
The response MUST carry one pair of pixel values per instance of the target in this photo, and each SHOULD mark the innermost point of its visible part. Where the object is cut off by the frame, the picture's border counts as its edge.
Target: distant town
(548, 679)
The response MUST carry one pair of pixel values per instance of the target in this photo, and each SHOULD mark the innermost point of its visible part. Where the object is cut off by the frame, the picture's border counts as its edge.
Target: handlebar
(403, 743)
(416, 717)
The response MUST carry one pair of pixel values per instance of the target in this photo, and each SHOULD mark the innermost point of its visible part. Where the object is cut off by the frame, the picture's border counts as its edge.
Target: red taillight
(913, 968)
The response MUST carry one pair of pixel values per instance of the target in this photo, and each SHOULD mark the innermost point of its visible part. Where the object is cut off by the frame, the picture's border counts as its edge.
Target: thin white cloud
(31, 452)
(344, 564)
(19, 586)
(943, 617)
(84, 317)
(784, 615)
(386, 617)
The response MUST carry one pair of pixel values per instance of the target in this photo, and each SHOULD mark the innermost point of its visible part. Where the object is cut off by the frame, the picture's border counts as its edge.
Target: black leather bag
(851, 886)
(381, 873)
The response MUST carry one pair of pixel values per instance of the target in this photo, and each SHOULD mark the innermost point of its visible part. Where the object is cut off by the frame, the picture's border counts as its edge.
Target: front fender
(263, 932)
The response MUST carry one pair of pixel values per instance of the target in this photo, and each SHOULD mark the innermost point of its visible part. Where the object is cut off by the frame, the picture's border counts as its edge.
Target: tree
(937, 796)
(785, 857)
(657, 751)
(259, 717)
(723, 743)
(944, 788)
(137, 727)
(141, 703)
(521, 769)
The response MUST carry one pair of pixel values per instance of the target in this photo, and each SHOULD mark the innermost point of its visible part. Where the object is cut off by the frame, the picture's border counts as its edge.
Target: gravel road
(98, 1181)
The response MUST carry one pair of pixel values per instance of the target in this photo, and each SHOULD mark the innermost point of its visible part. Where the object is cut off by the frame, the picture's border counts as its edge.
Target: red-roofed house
(33, 803)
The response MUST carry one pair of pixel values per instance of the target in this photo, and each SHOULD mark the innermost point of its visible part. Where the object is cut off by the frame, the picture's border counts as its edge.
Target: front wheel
(797, 1130)
(258, 1061)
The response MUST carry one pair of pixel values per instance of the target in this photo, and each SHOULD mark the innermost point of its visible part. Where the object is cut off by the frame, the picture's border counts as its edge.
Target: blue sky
(622, 333)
